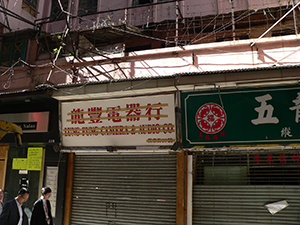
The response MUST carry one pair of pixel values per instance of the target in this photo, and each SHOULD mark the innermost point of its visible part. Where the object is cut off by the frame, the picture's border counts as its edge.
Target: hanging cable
(225, 26)
(278, 21)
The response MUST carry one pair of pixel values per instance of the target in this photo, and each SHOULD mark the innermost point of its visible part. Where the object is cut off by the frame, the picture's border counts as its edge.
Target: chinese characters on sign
(213, 137)
(246, 116)
(296, 107)
(265, 113)
(151, 112)
(130, 121)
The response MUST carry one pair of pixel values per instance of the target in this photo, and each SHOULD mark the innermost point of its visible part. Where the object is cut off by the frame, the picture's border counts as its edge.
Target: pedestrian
(13, 211)
(41, 211)
(1, 200)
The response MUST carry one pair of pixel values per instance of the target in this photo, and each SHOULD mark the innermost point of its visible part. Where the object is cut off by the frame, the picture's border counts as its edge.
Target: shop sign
(30, 122)
(132, 121)
(249, 116)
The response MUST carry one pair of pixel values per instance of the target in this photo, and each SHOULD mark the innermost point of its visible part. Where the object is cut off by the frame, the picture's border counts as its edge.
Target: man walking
(13, 211)
(41, 212)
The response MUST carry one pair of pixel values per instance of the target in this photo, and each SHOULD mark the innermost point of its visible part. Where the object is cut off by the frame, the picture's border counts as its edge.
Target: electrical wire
(228, 24)
(10, 73)
(132, 33)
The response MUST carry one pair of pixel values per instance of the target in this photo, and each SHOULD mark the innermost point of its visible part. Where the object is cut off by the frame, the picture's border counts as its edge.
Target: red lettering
(257, 158)
(295, 157)
(282, 158)
(77, 116)
(269, 158)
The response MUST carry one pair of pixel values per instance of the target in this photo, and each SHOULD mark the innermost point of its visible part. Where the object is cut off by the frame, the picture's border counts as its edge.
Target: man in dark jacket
(13, 211)
(41, 211)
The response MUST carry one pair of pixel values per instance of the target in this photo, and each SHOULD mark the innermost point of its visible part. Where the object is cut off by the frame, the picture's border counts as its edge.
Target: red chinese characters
(117, 114)
(295, 157)
(257, 158)
(113, 114)
(281, 158)
(133, 113)
(77, 116)
(95, 114)
(153, 111)
(269, 158)
(212, 137)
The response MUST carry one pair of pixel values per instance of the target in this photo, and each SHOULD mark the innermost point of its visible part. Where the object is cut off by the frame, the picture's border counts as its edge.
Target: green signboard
(241, 117)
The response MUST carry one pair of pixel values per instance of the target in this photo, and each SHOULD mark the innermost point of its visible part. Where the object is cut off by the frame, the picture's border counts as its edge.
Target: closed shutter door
(124, 189)
(233, 188)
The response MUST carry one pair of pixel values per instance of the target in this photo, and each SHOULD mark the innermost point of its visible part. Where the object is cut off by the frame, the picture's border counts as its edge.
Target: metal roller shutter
(233, 188)
(124, 189)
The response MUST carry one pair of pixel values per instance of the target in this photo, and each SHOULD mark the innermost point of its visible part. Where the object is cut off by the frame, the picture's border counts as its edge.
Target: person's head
(46, 192)
(23, 195)
(1, 195)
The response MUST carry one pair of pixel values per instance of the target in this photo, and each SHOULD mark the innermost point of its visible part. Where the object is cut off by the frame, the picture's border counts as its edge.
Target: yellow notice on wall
(34, 159)
(19, 164)
(35, 153)
(34, 164)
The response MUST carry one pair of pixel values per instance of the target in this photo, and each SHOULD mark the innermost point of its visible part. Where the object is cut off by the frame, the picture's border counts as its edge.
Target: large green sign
(235, 117)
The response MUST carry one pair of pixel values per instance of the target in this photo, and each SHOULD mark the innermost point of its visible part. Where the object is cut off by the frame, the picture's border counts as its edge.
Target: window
(56, 13)
(141, 2)
(13, 51)
(30, 6)
(225, 175)
(87, 7)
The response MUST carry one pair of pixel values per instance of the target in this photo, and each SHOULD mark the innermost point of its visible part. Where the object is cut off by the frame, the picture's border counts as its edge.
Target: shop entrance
(124, 189)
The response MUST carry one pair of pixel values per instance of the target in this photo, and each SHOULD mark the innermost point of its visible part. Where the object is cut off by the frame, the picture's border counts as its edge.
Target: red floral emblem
(211, 118)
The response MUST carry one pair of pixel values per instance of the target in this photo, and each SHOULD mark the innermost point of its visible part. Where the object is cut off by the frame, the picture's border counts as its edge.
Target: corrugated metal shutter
(124, 189)
(233, 188)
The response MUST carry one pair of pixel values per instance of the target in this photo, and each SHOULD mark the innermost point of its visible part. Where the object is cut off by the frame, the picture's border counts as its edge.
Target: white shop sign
(132, 121)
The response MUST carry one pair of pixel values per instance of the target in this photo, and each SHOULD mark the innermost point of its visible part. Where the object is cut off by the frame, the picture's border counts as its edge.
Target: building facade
(34, 162)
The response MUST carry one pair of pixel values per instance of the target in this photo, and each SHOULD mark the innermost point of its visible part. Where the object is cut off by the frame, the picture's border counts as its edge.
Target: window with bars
(257, 168)
(56, 12)
(30, 6)
(141, 2)
(87, 7)
(11, 52)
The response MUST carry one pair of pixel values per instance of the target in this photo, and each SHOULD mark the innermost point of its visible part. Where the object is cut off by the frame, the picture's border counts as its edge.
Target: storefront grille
(234, 187)
(124, 190)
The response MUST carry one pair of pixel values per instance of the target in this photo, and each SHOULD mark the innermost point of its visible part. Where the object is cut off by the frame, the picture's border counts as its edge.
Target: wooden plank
(69, 188)
(3, 164)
